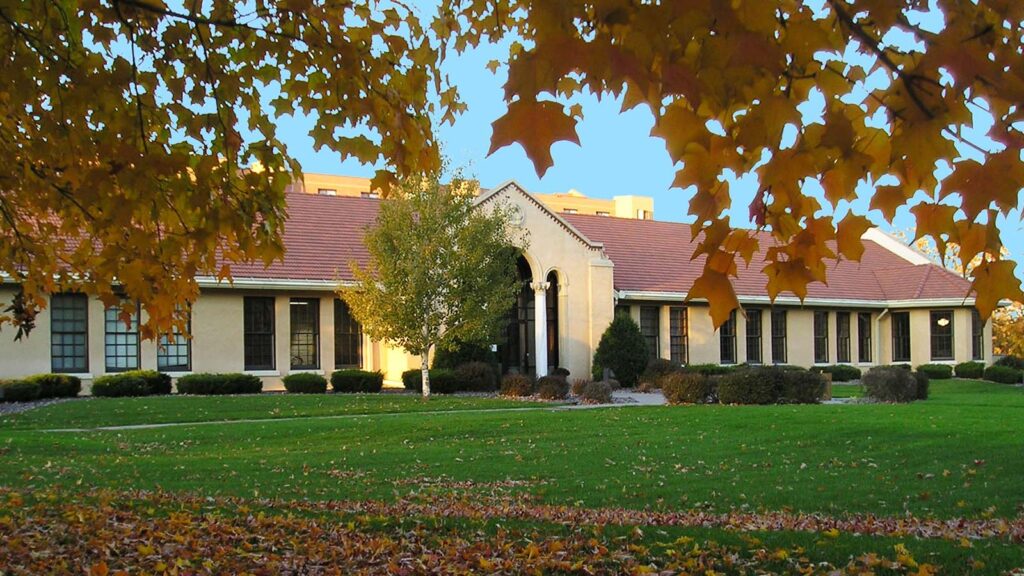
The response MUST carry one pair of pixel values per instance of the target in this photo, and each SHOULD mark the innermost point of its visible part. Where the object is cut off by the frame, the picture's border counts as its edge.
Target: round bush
(477, 376)
(622, 350)
(597, 393)
(412, 380)
(750, 386)
(577, 386)
(922, 381)
(552, 388)
(562, 372)
(18, 390)
(802, 386)
(219, 384)
(656, 369)
(685, 388)
(936, 371)
(158, 382)
(1011, 361)
(890, 384)
(516, 385)
(121, 385)
(57, 385)
(969, 370)
(1003, 374)
(305, 383)
(459, 353)
(444, 381)
(709, 369)
(356, 381)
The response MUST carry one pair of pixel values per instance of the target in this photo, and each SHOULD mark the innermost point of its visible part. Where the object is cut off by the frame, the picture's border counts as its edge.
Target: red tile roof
(325, 233)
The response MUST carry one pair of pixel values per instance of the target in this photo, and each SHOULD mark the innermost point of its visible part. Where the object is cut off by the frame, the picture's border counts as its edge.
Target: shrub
(444, 381)
(750, 386)
(552, 388)
(356, 381)
(622, 350)
(969, 370)
(655, 371)
(802, 386)
(597, 393)
(890, 384)
(709, 369)
(120, 385)
(477, 377)
(218, 384)
(686, 388)
(158, 382)
(577, 386)
(412, 380)
(1002, 374)
(305, 383)
(516, 385)
(922, 381)
(937, 371)
(1011, 361)
(57, 385)
(459, 353)
(561, 372)
(19, 390)
(841, 372)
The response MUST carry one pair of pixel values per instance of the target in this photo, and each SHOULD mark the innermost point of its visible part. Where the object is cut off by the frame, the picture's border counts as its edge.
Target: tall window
(679, 334)
(942, 334)
(727, 336)
(864, 337)
(977, 336)
(754, 336)
(842, 336)
(821, 337)
(174, 351)
(69, 333)
(305, 333)
(649, 327)
(259, 333)
(901, 336)
(779, 337)
(121, 339)
(348, 337)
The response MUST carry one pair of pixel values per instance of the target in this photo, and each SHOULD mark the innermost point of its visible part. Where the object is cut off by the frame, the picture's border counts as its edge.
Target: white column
(540, 333)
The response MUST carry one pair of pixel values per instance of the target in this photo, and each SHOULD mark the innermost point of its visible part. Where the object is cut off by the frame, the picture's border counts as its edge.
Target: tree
(441, 269)
(622, 350)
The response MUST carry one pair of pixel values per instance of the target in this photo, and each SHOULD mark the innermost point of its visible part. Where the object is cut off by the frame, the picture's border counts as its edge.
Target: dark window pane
(842, 336)
(121, 340)
(649, 327)
(901, 336)
(305, 333)
(779, 355)
(679, 334)
(258, 322)
(942, 334)
(69, 325)
(864, 337)
(727, 337)
(977, 336)
(754, 336)
(348, 337)
(821, 337)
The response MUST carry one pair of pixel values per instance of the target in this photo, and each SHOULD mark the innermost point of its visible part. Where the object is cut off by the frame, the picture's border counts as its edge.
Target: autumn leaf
(718, 291)
(994, 281)
(548, 124)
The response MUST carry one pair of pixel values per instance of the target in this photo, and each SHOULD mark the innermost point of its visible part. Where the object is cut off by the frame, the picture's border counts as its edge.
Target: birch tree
(441, 269)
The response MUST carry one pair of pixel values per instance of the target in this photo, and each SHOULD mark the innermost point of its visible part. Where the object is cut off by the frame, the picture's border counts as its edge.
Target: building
(579, 269)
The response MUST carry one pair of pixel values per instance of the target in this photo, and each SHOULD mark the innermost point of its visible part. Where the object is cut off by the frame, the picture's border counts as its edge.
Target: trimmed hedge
(442, 381)
(121, 385)
(841, 372)
(219, 384)
(563, 372)
(516, 385)
(1003, 374)
(57, 385)
(937, 371)
(356, 381)
(750, 386)
(622, 350)
(597, 393)
(656, 370)
(158, 382)
(552, 388)
(802, 386)
(305, 383)
(711, 369)
(970, 370)
(686, 388)
(459, 353)
(922, 380)
(477, 377)
(890, 384)
(1011, 361)
(18, 390)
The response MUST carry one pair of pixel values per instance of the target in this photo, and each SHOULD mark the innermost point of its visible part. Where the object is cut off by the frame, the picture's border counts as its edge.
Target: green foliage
(710, 369)
(440, 269)
(305, 383)
(459, 353)
(57, 385)
(562, 372)
(357, 381)
(219, 384)
(750, 386)
(1011, 361)
(685, 387)
(890, 384)
(923, 382)
(841, 372)
(936, 371)
(516, 385)
(158, 382)
(598, 392)
(970, 370)
(445, 381)
(622, 350)
(477, 377)
(577, 386)
(655, 370)
(802, 387)
(552, 388)
(1003, 374)
(19, 390)
(121, 385)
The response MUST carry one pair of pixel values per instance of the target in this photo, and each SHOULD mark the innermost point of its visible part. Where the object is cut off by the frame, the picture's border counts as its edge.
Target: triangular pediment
(516, 194)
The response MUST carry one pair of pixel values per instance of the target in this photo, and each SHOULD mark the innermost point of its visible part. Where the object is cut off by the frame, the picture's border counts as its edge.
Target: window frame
(778, 358)
(116, 328)
(727, 340)
(864, 352)
(898, 346)
(820, 336)
(679, 334)
(309, 336)
(648, 314)
(352, 337)
(977, 336)
(83, 333)
(754, 341)
(163, 344)
(267, 336)
(843, 348)
(951, 336)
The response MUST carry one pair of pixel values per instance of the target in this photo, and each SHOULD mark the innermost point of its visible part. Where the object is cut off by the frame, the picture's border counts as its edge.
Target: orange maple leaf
(535, 126)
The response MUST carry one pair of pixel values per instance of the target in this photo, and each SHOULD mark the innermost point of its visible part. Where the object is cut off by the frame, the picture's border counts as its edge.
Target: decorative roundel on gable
(518, 215)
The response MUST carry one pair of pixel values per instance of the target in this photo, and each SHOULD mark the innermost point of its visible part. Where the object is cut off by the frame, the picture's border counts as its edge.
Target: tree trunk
(425, 372)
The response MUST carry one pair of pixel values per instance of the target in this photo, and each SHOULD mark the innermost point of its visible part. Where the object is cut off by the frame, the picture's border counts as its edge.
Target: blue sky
(616, 153)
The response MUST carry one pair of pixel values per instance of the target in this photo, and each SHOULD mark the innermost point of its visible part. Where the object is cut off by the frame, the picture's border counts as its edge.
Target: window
(69, 333)
(348, 337)
(864, 337)
(842, 337)
(727, 336)
(174, 351)
(942, 334)
(259, 333)
(569, 210)
(121, 340)
(977, 336)
(901, 336)
(642, 214)
(305, 333)
(327, 191)
(821, 337)
(369, 195)
(603, 213)
(779, 336)
(649, 327)
(679, 334)
(754, 336)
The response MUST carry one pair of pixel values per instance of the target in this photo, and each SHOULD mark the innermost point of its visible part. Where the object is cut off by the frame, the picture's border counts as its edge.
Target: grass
(954, 455)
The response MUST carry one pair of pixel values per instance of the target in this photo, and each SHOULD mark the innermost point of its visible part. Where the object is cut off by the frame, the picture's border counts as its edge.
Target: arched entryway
(531, 320)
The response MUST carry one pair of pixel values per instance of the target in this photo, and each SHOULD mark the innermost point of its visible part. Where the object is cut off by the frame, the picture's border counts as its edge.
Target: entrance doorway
(518, 350)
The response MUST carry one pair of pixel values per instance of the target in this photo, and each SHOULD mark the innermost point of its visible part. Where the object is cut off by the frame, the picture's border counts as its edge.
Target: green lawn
(957, 455)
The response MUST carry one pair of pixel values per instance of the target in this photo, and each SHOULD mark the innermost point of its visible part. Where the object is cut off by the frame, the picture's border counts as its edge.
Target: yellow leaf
(535, 126)
(848, 233)
(994, 281)
(679, 127)
(718, 291)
